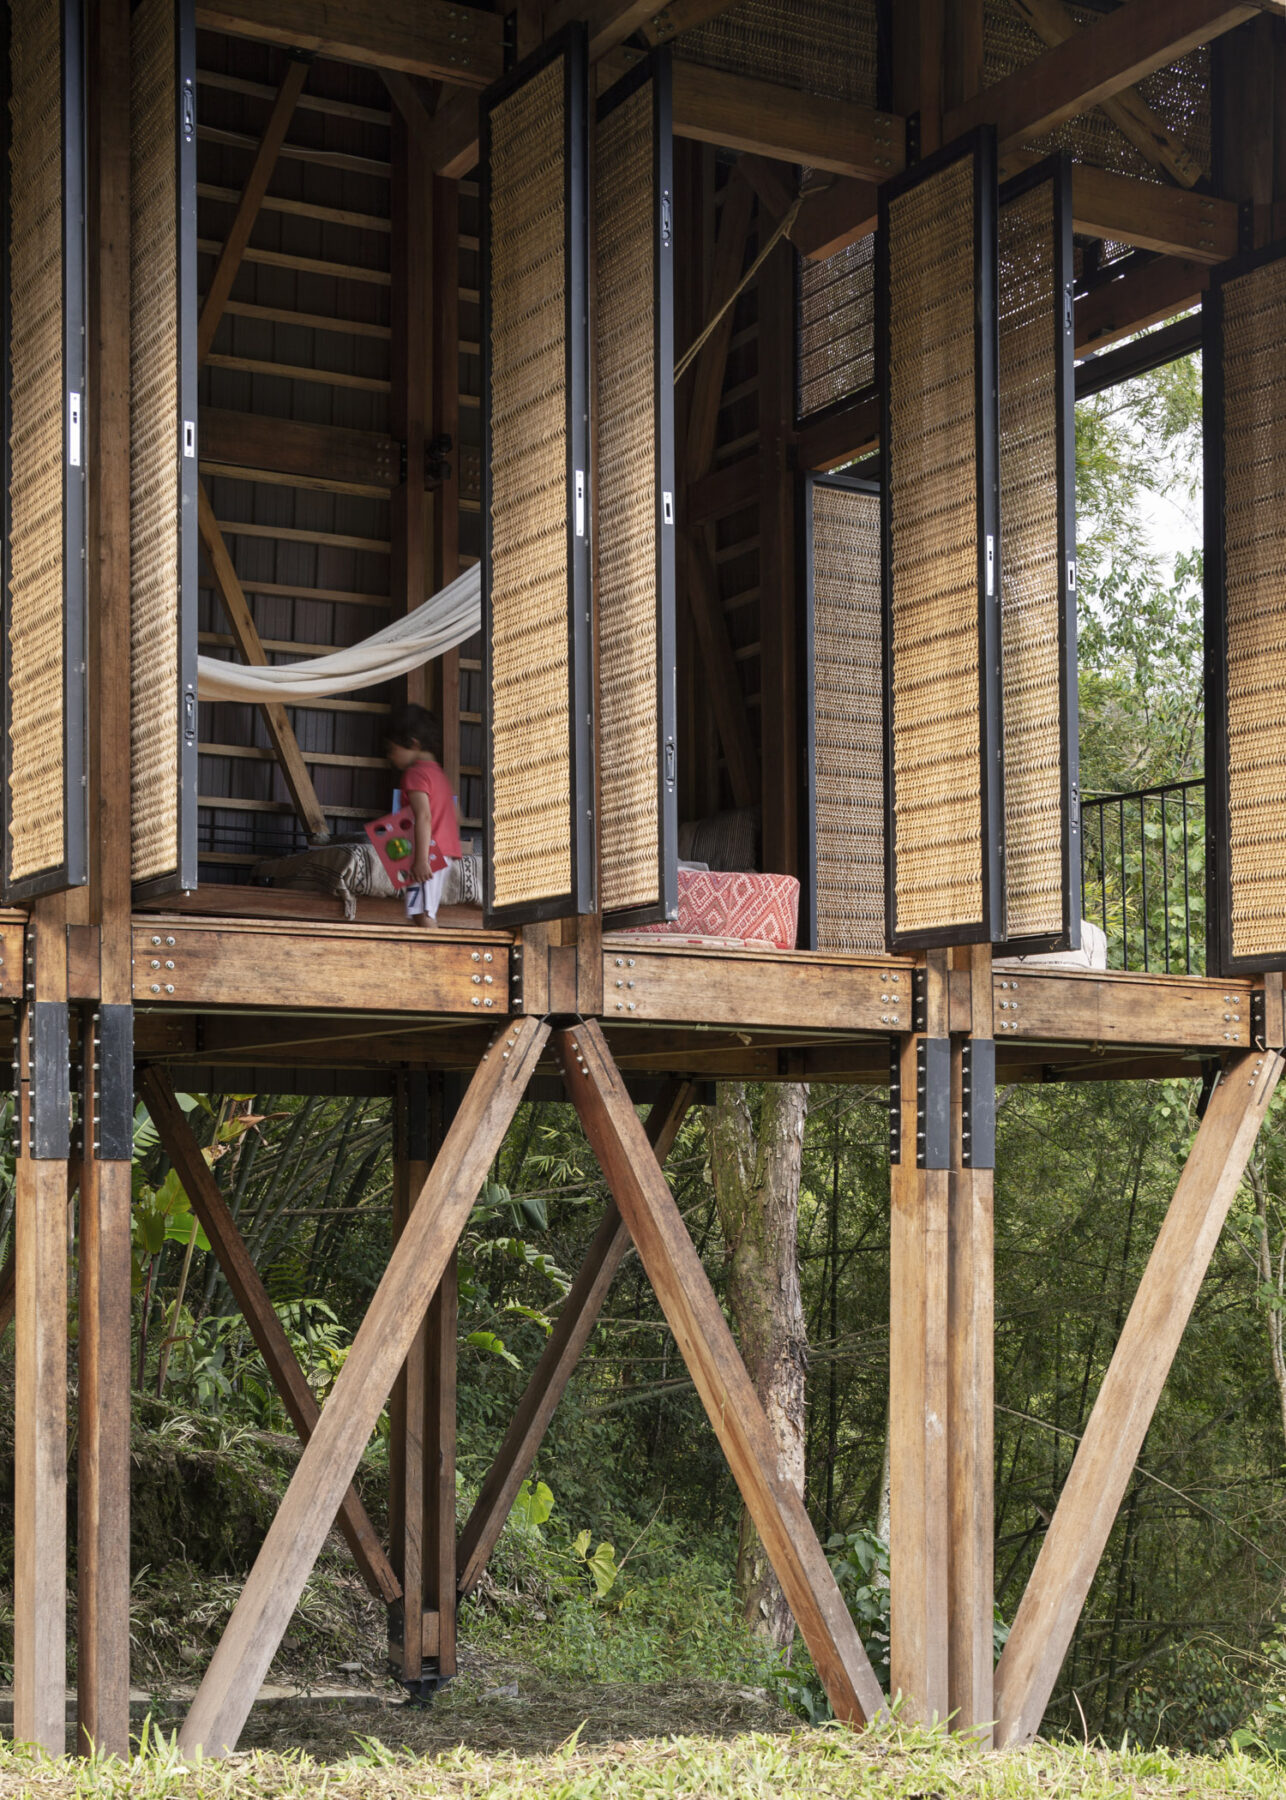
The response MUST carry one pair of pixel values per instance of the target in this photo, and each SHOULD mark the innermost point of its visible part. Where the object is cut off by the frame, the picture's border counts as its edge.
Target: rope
(785, 225)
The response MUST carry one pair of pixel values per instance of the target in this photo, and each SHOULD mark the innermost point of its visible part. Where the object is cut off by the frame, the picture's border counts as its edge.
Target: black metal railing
(1143, 871)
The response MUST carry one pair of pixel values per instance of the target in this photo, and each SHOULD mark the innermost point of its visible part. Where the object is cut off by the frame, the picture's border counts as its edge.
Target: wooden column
(1105, 1457)
(970, 1376)
(379, 1349)
(409, 378)
(40, 1351)
(441, 1335)
(779, 706)
(918, 1515)
(406, 1405)
(103, 1435)
(446, 424)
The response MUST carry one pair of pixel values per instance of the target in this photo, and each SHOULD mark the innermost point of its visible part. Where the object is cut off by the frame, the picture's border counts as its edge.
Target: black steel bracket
(919, 999)
(978, 1103)
(1258, 1019)
(933, 1103)
(895, 1100)
(112, 1137)
(49, 1081)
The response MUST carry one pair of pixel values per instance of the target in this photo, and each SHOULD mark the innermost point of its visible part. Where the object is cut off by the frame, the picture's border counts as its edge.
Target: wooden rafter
(672, 1265)
(557, 1364)
(284, 742)
(256, 1309)
(321, 453)
(422, 37)
(1118, 1423)
(1104, 59)
(1128, 111)
(252, 196)
(331, 1456)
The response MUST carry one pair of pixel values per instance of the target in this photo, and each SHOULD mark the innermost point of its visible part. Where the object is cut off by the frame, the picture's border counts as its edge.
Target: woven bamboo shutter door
(842, 902)
(1244, 398)
(539, 825)
(936, 335)
(163, 446)
(1038, 576)
(634, 495)
(45, 816)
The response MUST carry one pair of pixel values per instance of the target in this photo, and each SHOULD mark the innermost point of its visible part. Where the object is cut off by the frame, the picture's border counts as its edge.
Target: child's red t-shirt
(430, 778)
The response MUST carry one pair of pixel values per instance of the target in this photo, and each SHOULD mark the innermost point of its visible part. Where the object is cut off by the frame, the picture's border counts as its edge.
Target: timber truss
(940, 1384)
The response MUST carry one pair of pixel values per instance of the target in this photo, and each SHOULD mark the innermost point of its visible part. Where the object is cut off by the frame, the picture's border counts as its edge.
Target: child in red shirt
(413, 744)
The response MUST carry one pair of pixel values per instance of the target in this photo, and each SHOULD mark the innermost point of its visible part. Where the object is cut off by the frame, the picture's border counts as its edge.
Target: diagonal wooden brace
(257, 1310)
(1105, 1459)
(673, 1267)
(331, 1456)
(558, 1362)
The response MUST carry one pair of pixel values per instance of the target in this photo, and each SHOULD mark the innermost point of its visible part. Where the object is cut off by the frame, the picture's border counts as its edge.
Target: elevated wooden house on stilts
(312, 309)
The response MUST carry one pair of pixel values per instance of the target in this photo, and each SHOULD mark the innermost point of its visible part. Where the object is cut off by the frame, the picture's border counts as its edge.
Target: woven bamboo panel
(1179, 95)
(531, 749)
(848, 719)
(1254, 509)
(836, 326)
(933, 500)
(154, 478)
(626, 476)
(37, 814)
(1030, 585)
(825, 47)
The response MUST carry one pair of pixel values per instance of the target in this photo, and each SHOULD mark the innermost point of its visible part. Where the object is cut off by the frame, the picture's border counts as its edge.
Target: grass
(889, 1763)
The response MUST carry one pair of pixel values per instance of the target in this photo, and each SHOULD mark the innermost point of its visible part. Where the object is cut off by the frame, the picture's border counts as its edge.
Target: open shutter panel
(163, 448)
(46, 848)
(539, 833)
(634, 492)
(936, 294)
(1038, 580)
(842, 898)
(1244, 399)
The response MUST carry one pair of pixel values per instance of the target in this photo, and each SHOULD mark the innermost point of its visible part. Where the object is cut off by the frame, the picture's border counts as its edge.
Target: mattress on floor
(731, 909)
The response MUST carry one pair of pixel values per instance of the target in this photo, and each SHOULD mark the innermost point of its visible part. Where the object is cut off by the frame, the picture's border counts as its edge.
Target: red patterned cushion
(755, 909)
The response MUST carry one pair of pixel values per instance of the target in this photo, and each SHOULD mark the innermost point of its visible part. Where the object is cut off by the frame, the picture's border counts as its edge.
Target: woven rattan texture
(530, 746)
(37, 822)
(155, 676)
(1179, 95)
(1029, 570)
(626, 479)
(836, 326)
(1254, 447)
(825, 47)
(933, 489)
(848, 716)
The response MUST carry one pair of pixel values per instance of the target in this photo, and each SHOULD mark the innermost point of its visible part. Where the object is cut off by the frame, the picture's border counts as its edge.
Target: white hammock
(444, 620)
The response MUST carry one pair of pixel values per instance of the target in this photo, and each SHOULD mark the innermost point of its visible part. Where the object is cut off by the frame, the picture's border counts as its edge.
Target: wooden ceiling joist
(289, 447)
(1099, 62)
(459, 44)
(741, 113)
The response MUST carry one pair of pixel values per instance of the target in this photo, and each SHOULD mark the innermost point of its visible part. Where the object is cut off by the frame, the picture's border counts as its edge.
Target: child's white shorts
(426, 896)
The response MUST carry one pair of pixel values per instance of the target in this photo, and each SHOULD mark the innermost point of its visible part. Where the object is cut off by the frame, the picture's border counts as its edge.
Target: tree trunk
(756, 1169)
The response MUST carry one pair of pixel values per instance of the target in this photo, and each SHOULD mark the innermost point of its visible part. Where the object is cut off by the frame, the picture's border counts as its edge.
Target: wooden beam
(840, 436)
(454, 141)
(1114, 53)
(256, 1309)
(673, 1267)
(420, 37)
(243, 222)
(741, 113)
(241, 619)
(1137, 299)
(1200, 227)
(439, 1433)
(729, 489)
(1105, 1457)
(712, 361)
(290, 447)
(971, 1282)
(669, 20)
(562, 1352)
(332, 1454)
(1128, 111)
(918, 1483)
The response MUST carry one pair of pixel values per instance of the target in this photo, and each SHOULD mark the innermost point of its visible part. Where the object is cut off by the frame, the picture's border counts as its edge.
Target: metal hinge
(978, 1103)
